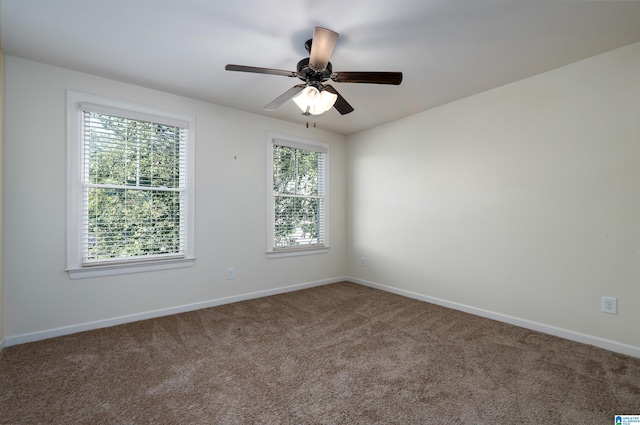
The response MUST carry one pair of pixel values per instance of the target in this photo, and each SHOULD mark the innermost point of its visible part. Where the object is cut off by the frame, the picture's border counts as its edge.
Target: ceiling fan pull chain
(314, 122)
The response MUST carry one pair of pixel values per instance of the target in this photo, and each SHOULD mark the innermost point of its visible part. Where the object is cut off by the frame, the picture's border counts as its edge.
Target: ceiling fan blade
(341, 104)
(324, 40)
(280, 100)
(258, 70)
(368, 77)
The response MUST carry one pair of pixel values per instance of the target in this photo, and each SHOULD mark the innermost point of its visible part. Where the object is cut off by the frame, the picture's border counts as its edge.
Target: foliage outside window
(130, 187)
(133, 187)
(298, 195)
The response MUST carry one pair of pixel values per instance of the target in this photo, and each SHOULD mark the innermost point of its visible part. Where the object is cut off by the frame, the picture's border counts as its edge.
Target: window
(130, 188)
(297, 196)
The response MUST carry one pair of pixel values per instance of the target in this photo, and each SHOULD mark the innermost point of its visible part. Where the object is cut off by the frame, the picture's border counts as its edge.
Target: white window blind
(298, 203)
(133, 187)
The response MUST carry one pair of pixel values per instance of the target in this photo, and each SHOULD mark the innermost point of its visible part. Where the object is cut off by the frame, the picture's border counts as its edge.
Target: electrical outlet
(231, 273)
(609, 305)
(363, 261)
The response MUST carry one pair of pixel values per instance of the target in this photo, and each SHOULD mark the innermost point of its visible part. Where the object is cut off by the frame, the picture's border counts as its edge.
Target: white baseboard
(614, 346)
(527, 324)
(66, 330)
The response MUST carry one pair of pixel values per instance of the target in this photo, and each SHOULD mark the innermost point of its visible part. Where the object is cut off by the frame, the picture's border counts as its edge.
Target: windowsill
(294, 252)
(112, 270)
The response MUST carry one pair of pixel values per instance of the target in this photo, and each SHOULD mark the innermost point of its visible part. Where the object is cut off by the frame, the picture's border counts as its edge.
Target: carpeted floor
(336, 354)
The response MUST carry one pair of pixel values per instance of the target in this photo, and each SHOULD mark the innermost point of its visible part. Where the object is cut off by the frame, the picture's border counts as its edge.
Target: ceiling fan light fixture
(312, 96)
(315, 102)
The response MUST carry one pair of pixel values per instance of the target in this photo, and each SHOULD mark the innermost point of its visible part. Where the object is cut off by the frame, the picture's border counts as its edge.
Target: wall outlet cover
(610, 305)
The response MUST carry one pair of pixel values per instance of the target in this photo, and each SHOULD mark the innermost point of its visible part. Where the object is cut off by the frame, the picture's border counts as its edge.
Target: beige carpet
(337, 354)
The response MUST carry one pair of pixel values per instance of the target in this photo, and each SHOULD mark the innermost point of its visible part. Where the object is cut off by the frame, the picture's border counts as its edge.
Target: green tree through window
(298, 197)
(133, 188)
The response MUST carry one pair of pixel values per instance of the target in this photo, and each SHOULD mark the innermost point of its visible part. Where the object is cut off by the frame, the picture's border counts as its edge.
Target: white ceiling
(447, 49)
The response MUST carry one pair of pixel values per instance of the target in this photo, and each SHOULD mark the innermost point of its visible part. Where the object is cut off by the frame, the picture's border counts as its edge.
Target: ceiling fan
(314, 97)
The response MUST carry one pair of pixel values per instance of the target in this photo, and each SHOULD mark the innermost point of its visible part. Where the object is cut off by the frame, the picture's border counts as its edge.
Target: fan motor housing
(308, 74)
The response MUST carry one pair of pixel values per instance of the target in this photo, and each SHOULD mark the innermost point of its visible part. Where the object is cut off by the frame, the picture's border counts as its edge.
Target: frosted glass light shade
(314, 102)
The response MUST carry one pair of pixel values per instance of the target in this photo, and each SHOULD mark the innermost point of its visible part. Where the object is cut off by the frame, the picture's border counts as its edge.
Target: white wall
(521, 203)
(41, 300)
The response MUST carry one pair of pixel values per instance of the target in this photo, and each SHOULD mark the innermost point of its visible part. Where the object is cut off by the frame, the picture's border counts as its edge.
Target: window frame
(75, 153)
(298, 143)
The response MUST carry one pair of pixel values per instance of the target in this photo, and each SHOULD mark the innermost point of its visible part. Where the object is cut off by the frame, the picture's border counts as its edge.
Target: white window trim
(296, 142)
(74, 187)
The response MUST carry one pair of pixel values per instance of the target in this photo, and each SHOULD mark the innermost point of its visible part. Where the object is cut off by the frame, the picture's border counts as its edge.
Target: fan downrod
(307, 45)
